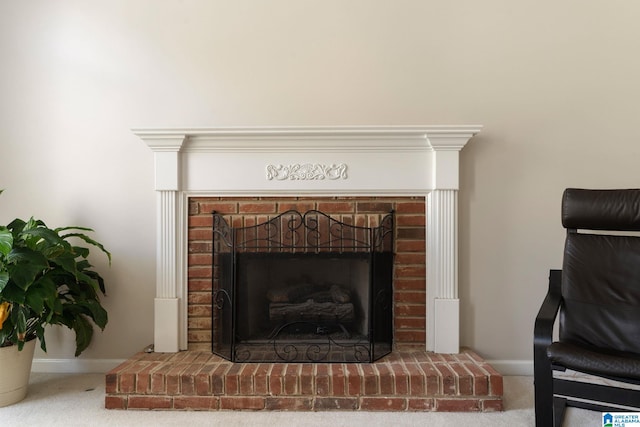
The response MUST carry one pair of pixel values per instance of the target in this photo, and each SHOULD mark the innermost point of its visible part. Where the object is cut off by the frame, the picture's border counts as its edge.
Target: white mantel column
(168, 321)
(443, 305)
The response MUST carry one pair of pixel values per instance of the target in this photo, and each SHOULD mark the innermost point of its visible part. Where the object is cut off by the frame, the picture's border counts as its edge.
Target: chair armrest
(543, 327)
(542, 338)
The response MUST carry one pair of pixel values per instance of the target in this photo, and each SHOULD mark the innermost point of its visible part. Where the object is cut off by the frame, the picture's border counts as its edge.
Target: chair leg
(543, 390)
(559, 405)
(543, 405)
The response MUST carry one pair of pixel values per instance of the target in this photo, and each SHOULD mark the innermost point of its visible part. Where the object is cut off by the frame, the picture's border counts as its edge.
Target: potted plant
(45, 279)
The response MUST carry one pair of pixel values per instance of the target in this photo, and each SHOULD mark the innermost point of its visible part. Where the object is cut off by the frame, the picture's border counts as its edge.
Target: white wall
(555, 85)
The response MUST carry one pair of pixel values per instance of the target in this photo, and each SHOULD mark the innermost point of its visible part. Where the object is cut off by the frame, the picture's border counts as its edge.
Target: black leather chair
(597, 297)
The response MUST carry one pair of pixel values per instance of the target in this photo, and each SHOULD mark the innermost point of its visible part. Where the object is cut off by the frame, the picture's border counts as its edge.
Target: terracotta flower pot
(15, 367)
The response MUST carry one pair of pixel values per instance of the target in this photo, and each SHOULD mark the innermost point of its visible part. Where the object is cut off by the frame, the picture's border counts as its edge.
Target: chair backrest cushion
(601, 209)
(601, 273)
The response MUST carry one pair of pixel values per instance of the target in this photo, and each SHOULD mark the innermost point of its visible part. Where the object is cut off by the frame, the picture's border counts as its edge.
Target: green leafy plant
(47, 280)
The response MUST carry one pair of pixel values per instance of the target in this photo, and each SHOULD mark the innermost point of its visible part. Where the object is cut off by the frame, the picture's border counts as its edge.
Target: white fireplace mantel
(354, 160)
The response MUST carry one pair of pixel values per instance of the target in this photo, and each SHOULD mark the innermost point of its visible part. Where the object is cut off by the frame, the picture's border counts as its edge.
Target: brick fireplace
(409, 300)
(347, 171)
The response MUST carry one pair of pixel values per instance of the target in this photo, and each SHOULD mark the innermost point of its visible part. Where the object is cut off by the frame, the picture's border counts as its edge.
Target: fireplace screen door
(303, 288)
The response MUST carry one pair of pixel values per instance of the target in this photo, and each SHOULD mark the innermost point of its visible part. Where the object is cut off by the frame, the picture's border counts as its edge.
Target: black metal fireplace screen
(303, 288)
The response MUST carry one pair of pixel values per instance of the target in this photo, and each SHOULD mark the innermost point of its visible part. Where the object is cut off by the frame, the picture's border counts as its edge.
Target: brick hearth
(409, 379)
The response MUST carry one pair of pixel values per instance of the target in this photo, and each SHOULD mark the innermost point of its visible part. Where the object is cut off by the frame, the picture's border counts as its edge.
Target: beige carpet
(78, 400)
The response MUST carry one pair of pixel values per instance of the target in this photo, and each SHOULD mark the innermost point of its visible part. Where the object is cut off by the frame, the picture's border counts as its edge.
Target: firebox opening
(303, 288)
(286, 295)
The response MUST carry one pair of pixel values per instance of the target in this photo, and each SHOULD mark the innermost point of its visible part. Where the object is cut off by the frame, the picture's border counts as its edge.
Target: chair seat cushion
(595, 361)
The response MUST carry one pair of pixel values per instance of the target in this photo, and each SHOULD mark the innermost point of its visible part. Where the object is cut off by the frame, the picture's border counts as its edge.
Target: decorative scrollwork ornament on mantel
(306, 171)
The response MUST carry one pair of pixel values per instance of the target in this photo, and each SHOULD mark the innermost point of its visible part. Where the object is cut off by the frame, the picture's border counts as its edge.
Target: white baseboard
(512, 367)
(75, 366)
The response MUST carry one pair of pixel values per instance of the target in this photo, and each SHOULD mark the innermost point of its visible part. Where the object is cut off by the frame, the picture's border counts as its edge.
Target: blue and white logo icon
(607, 420)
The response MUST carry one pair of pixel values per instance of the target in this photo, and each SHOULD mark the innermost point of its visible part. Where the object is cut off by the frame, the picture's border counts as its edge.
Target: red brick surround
(406, 380)
(409, 269)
